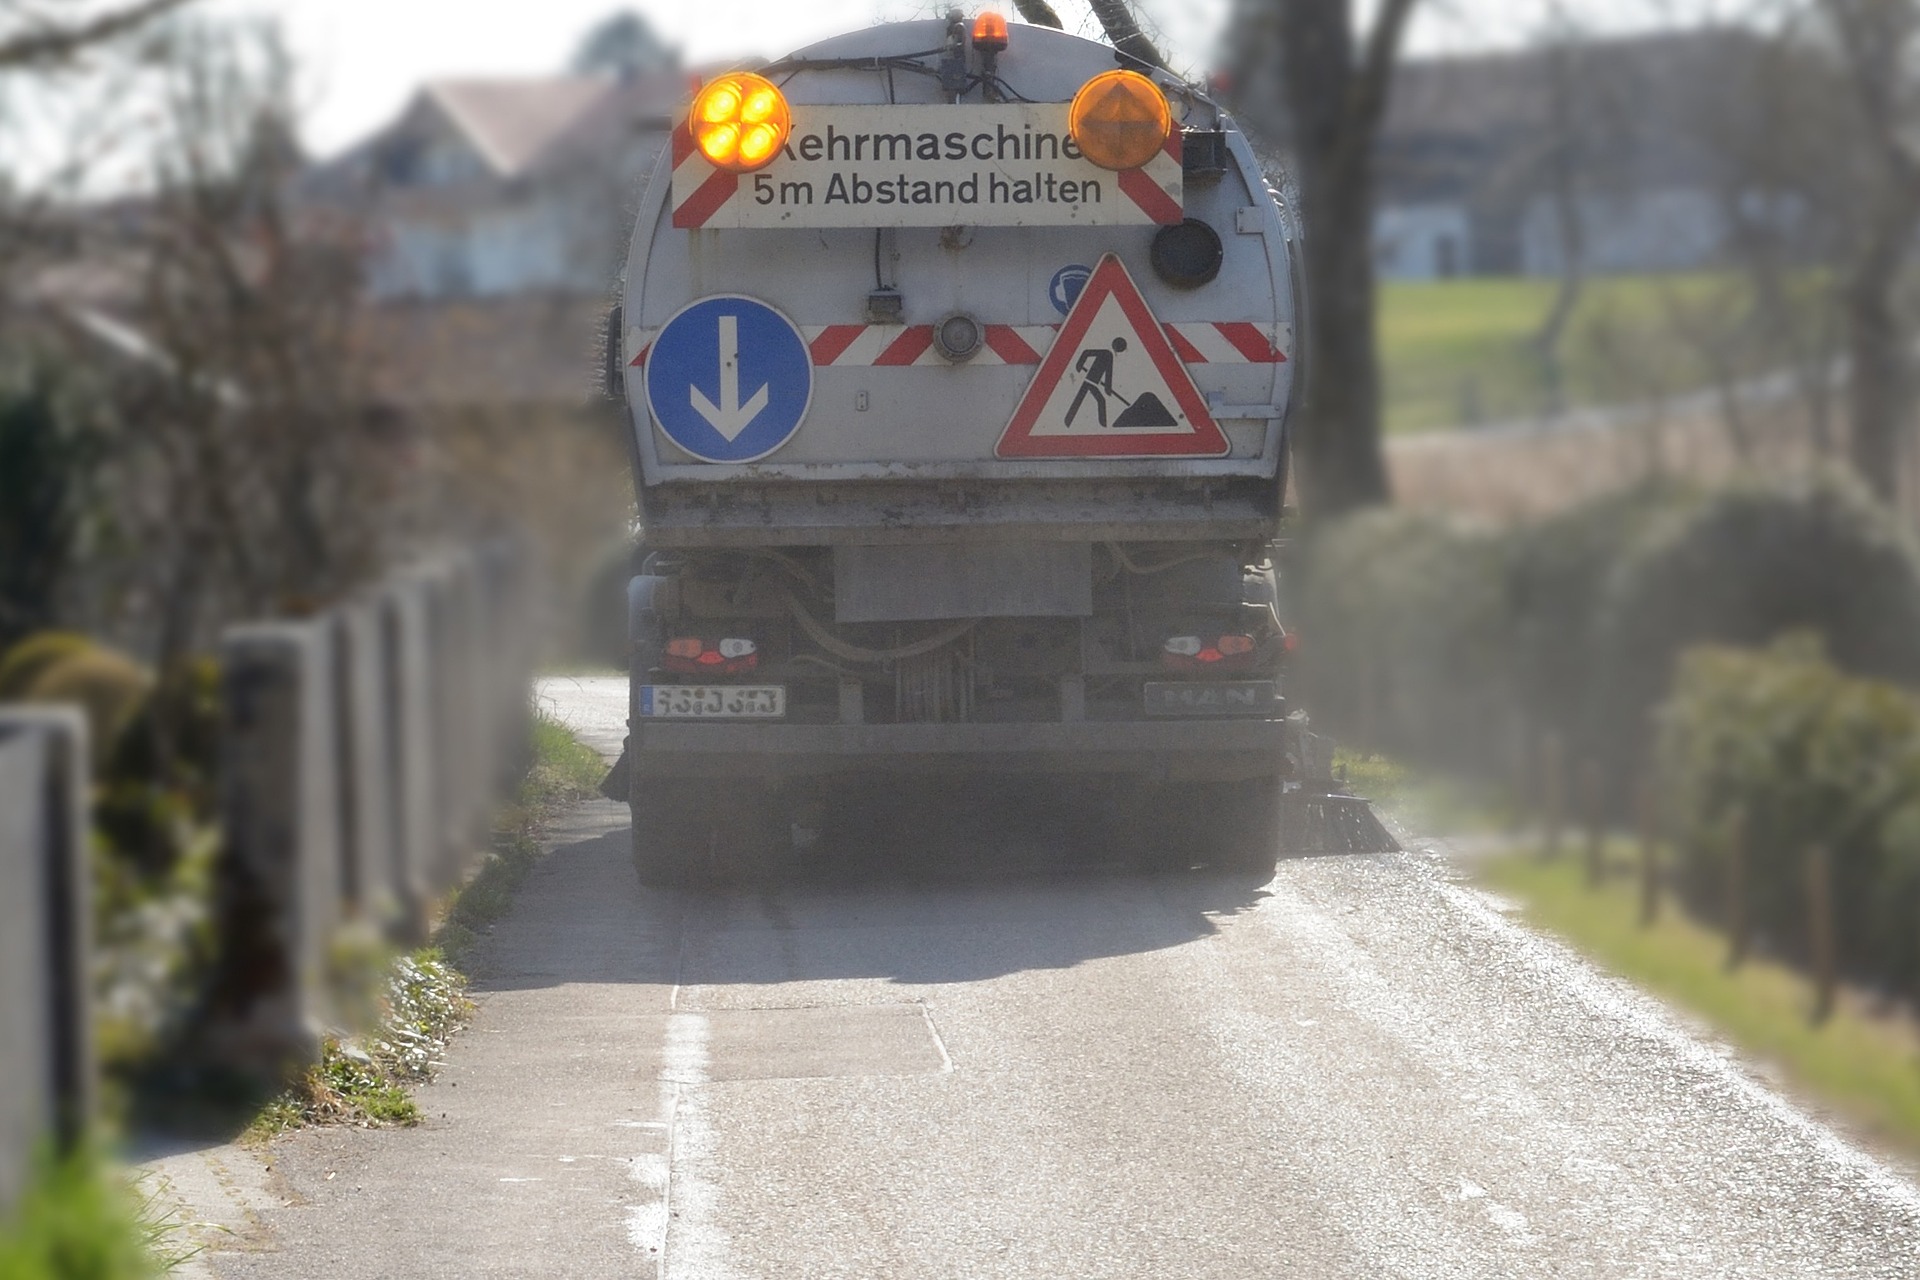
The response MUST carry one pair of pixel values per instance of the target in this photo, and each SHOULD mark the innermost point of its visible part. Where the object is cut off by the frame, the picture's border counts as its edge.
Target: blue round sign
(729, 379)
(1064, 289)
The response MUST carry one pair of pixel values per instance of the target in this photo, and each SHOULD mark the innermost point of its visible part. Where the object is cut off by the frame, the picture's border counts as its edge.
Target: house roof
(512, 122)
(528, 129)
(633, 107)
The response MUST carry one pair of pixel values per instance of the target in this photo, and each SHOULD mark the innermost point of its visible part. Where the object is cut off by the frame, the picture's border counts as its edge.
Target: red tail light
(1192, 653)
(694, 656)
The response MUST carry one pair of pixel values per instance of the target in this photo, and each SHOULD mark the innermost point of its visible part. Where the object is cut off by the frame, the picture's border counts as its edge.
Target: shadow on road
(931, 886)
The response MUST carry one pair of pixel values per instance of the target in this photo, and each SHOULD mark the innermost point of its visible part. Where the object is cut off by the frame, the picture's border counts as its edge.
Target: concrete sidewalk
(544, 1151)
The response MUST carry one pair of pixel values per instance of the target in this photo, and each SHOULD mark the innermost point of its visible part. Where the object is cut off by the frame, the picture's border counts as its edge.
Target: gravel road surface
(1011, 1060)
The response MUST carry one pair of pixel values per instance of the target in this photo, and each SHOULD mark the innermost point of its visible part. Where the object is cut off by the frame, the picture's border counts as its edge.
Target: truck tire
(1227, 826)
(1246, 834)
(672, 831)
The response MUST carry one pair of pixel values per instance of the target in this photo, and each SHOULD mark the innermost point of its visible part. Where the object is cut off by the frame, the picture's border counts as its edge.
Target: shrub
(1403, 642)
(1448, 644)
(22, 664)
(1790, 751)
(1557, 579)
(110, 687)
(1747, 565)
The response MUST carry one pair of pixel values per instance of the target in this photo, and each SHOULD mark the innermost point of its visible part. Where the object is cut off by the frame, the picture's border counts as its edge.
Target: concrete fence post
(279, 895)
(1593, 809)
(1739, 917)
(510, 631)
(480, 694)
(1649, 815)
(46, 1042)
(449, 667)
(402, 604)
(1553, 792)
(373, 891)
(1822, 936)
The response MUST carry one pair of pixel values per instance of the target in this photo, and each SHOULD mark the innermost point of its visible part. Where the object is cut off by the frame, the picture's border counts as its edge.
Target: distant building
(1505, 163)
(503, 188)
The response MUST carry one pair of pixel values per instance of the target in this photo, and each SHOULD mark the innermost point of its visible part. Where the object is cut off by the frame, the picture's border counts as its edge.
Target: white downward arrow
(729, 417)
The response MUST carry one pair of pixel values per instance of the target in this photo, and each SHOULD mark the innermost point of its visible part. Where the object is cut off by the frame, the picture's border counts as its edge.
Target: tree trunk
(1878, 392)
(1876, 41)
(1337, 441)
(1335, 97)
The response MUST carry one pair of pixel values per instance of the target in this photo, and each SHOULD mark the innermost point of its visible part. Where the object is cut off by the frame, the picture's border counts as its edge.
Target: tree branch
(1117, 20)
(1039, 13)
(1367, 97)
(58, 43)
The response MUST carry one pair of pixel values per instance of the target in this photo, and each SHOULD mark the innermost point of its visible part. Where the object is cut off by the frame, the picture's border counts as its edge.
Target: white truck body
(950, 569)
(932, 421)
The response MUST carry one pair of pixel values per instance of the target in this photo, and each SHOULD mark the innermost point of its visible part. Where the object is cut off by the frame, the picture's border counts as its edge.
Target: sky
(361, 59)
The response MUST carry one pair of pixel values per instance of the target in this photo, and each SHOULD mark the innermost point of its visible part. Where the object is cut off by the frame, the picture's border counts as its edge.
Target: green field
(1460, 352)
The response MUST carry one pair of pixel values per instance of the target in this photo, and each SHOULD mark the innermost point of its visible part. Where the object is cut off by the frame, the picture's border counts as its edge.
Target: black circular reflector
(1186, 255)
(957, 337)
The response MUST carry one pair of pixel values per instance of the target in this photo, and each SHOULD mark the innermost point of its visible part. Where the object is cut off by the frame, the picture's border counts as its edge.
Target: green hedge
(1784, 747)
(1462, 646)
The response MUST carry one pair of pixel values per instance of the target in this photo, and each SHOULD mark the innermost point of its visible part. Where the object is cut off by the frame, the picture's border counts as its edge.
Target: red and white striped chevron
(905, 346)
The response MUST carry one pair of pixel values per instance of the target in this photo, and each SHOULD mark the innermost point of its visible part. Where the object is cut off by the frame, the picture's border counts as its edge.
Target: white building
(1485, 161)
(497, 188)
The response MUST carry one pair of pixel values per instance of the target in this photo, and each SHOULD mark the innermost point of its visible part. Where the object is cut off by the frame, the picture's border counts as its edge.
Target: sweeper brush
(1333, 823)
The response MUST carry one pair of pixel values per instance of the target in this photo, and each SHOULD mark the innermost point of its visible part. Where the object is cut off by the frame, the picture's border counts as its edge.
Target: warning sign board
(1111, 385)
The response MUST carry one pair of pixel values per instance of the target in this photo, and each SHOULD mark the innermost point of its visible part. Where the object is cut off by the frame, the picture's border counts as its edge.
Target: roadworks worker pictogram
(1111, 386)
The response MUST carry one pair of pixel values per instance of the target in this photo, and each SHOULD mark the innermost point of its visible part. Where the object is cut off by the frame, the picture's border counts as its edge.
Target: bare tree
(45, 34)
(1564, 156)
(1038, 12)
(1332, 93)
(1877, 43)
(1123, 31)
(249, 403)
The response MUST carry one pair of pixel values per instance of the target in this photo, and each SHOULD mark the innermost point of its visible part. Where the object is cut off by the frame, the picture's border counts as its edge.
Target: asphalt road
(999, 1056)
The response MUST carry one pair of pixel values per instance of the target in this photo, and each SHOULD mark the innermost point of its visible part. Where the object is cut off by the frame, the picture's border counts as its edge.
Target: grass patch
(1458, 352)
(563, 769)
(81, 1219)
(1864, 1066)
(364, 1080)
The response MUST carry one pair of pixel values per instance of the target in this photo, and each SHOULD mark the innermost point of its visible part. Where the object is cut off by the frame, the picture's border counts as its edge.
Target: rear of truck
(959, 405)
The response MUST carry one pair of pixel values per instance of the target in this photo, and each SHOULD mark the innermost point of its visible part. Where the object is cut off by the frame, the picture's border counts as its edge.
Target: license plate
(713, 701)
(1223, 698)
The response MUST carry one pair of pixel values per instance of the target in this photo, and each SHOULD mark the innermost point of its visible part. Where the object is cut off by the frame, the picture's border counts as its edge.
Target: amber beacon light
(990, 32)
(1119, 119)
(740, 122)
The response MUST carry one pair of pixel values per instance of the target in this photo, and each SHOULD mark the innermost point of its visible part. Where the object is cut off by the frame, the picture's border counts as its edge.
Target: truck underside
(1154, 671)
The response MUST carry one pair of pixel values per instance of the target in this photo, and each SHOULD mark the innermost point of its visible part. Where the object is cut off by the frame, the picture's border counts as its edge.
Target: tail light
(694, 656)
(1194, 653)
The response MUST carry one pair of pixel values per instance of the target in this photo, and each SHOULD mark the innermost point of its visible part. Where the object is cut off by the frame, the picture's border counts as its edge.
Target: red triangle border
(1111, 279)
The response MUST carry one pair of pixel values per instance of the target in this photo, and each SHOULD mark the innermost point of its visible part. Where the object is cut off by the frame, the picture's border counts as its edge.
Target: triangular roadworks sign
(1111, 385)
